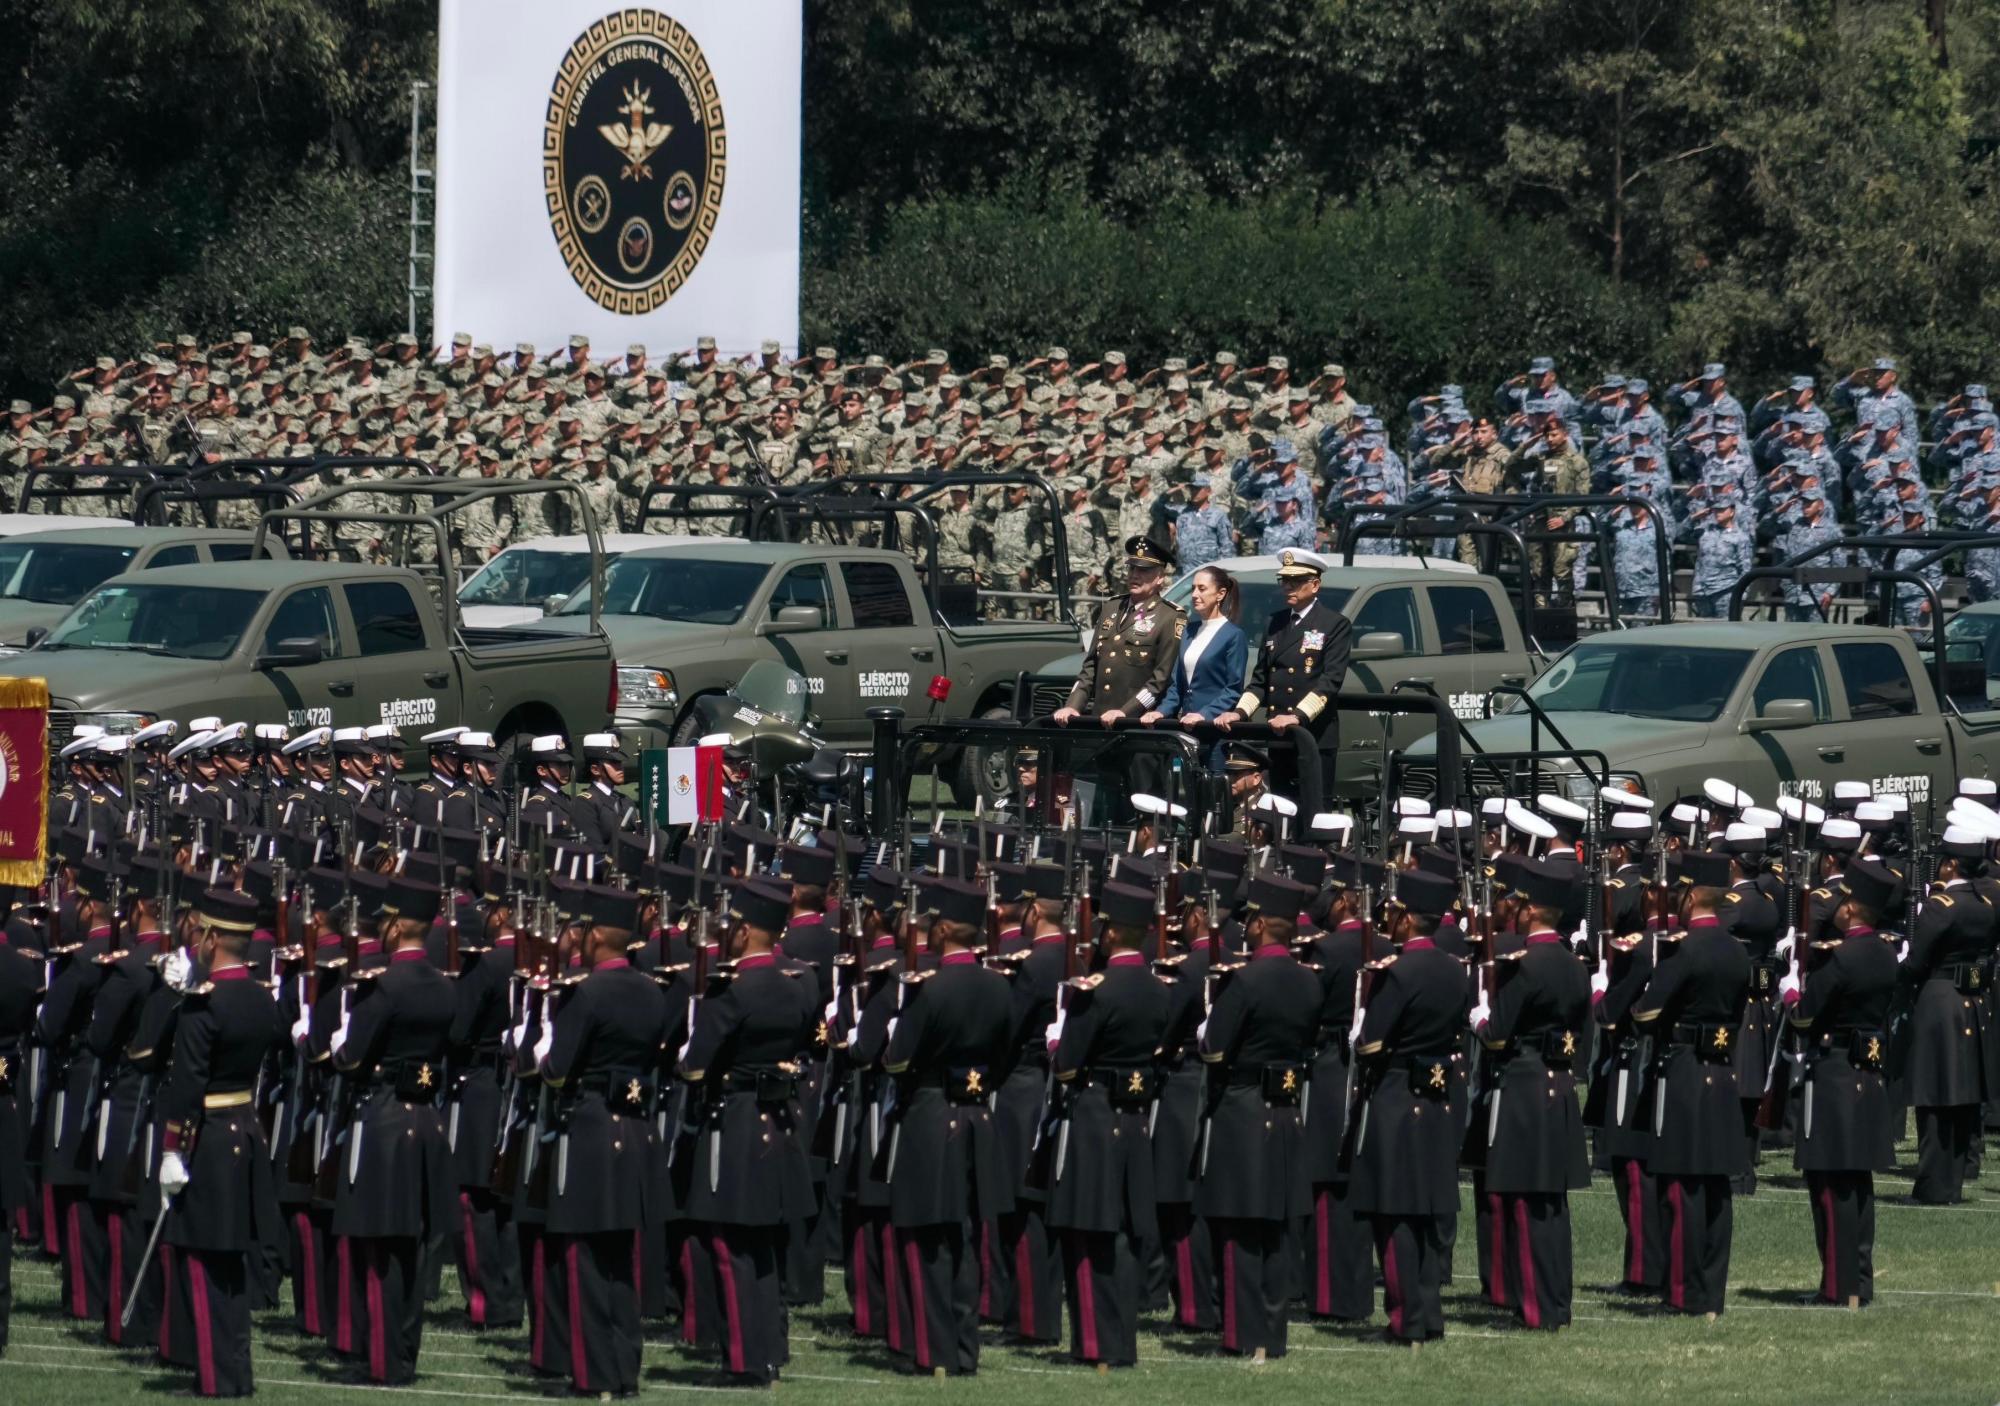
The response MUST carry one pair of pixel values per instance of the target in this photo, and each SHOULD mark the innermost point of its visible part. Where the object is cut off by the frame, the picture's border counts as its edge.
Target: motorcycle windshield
(774, 690)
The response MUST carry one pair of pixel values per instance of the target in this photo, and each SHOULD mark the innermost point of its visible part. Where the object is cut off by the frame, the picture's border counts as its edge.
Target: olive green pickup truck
(43, 574)
(687, 619)
(1775, 708)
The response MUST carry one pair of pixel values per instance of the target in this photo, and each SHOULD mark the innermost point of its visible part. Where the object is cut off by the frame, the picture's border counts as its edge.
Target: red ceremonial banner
(24, 780)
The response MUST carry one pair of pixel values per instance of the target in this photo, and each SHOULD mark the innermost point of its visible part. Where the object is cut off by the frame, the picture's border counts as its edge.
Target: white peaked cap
(1529, 823)
(305, 741)
(1561, 807)
(1331, 820)
(204, 724)
(1726, 794)
(1739, 831)
(1762, 818)
(551, 743)
(1282, 806)
(165, 728)
(1840, 828)
(1619, 796)
(1412, 805)
(1150, 805)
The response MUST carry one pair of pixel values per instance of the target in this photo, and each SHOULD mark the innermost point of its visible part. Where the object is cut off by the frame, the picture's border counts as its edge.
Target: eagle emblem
(1291, 1083)
(1569, 1042)
(1722, 1037)
(1285, 557)
(3, 1067)
(820, 1035)
(1136, 1084)
(972, 1082)
(641, 138)
(634, 1092)
(1874, 1050)
(423, 1076)
(1437, 1076)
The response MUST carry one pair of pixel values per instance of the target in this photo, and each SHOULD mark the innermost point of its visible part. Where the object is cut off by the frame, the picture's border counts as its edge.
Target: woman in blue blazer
(1208, 677)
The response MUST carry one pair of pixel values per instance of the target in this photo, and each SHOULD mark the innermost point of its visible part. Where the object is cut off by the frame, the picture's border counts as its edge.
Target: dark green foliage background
(1423, 189)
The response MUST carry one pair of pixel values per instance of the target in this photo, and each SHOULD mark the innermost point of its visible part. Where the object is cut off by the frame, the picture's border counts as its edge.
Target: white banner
(629, 173)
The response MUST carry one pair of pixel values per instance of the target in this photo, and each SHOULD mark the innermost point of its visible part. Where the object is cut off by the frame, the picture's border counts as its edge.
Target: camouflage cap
(1223, 358)
(1333, 371)
(1056, 354)
(1277, 363)
(827, 354)
(297, 334)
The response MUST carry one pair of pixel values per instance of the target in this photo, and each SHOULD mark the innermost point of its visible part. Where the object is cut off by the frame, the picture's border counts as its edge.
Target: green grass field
(1932, 1336)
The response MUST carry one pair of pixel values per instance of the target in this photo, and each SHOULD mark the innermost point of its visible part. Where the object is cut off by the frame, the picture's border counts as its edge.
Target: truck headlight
(117, 724)
(1579, 787)
(646, 689)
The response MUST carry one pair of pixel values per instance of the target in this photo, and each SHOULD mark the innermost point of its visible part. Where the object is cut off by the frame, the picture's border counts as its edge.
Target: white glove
(889, 1035)
(1787, 942)
(1354, 1030)
(173, 1175)
(302, 1028)
(1481, 1013)
(1903, 951)
(177, 971)
(1201, 1032)
(1788, 987)
(832, 1013)
(546, 1043)
(1600, 982)
(1052, 1033)
(517, 1037)
(339, 1041)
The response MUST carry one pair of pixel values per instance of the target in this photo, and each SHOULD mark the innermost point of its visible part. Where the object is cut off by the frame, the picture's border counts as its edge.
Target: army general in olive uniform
(1125, 670)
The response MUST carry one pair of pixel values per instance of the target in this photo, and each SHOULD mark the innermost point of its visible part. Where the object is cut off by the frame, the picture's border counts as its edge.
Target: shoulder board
(1822, 893)
(1944, 899)
(1085, 983)
(1735, 897)
(912, 978)
(202, 990)
(1618, 883)
(1173, 961)
(796, 971)
(1382, 963)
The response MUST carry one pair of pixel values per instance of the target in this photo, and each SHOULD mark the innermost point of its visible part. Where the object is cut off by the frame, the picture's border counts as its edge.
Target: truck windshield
(57, 573)
(700, 591)
(188, 622)
(520, 576)
(1261, 598)
(1670, 682)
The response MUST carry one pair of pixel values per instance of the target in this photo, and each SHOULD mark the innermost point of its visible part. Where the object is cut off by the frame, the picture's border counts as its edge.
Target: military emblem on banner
(633, 158)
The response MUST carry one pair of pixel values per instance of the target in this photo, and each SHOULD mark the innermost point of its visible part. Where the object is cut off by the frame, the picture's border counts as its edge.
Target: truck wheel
(982, 771)
(692, 727)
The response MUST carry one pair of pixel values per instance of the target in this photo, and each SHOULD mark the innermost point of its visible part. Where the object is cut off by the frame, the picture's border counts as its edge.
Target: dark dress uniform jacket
(1107, 1059)
(479, 1023)
(1177, 1126)
(1300, 666)
(951, 1042)
(225, 1030)
(20, 990)
(1261, 1028)
(1537, 1029)
(607, 1048)
(1693, 1008)
(1405, 1160)
(1845, 1124)
(1130, 658)
(399, 1180)
(1756, 922)
(1336, 956)
(114, 1022)
(745, 1057)
(65, 1020)
(1942, 1066)
(1018, 1110)
(1620, 1102)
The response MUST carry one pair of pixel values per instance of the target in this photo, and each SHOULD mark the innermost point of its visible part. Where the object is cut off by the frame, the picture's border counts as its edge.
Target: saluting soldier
(1535, 1152)
(1254, 1181)
(1845, 1129)
(1402, 1136)
(1133, 651)
(1300, 665)
(1101, 1197)
(1693, 1008)
(950, 1044)
(215, 1171)
(395, 1183)
(601, 1063)
(1944, 1059)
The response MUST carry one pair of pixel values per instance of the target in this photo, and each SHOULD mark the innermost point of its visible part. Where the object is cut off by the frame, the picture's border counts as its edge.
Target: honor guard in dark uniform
(1254, 1183)
(545, 805)
(604, 812)
(1693, 1008)
(809, 940)
(1619, 1106)
(1340, 1251)
(21, 975)
(1943, 1060)
(396, 1188)
(1841, 1016)
(1101, 1197)
(1300, 665)
(71, 1098)
(1133, 651)
(601, 1066)
(122, 1202)
(478, 802)
(435, 791)
(1402, 1136)
(1754, 920)
(951, 1043)
(215, 1170)
(1025, 1291)
(1185, 1243)
(487, 1251)
(1533, 1129)
(396, 797)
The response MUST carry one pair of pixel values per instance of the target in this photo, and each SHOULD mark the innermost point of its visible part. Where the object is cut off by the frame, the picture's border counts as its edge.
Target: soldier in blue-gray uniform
(1290, 521)
(1873, 389)
(1202, 532)
(1912, 518)
(1947, 415)
(1709, 393)
(1800, 399)
(1967, 434)
(1512, 396)
(1723, 551)
(1642, 474)
(1637, 416)
(1635, 555)
(1600, 406)
(1806, 521)
(1803, 452)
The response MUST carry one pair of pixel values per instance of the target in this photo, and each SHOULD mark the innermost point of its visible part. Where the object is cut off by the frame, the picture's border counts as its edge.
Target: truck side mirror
(1379, 644)
(790, 620)
(1781, 714)
(36, 636)
(552, 604)
(292, 654)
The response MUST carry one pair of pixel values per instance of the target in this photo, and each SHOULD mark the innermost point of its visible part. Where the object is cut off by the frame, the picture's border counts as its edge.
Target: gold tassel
(24, 693)
(31, 694)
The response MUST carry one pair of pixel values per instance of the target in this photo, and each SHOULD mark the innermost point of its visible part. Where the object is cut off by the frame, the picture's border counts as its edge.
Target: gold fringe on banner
(31, 694)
